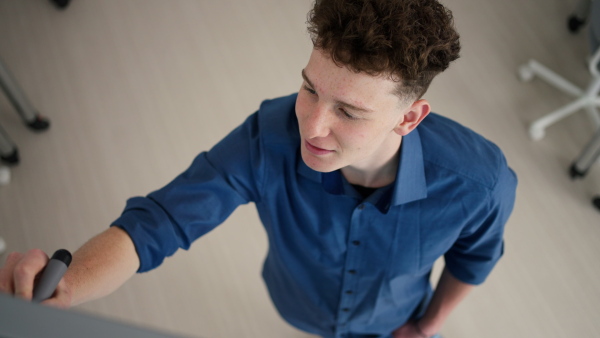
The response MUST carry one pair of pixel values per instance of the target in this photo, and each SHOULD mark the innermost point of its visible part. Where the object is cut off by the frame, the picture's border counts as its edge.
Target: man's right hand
(98, 268)
(21, 271)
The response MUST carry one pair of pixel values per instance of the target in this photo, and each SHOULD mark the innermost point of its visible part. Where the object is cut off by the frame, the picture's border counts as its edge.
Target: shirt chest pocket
(402, 285)
(405, 269)
(417, 243)
(405, 250)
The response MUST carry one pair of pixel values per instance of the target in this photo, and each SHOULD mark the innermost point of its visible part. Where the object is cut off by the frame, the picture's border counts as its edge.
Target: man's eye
(310, 90)
(347, 115)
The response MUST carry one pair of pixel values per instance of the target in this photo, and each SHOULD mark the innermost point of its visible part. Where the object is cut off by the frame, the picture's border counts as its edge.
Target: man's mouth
(316, 150)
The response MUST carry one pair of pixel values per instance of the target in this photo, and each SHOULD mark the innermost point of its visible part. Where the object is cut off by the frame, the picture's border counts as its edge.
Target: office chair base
(12, 158)
(587, 99)
(39, 124)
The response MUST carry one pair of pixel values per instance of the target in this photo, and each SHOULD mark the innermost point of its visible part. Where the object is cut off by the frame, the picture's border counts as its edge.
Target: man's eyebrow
(341, 103)
(306, 79)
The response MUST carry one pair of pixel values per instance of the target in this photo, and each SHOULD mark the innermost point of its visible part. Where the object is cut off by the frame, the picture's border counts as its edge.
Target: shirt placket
(352, 271)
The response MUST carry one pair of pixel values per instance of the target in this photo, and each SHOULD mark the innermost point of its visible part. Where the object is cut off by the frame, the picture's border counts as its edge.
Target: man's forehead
(357, 106)
(356, 88)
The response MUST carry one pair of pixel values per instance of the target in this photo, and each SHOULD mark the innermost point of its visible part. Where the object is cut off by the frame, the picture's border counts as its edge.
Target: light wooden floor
(136, 88)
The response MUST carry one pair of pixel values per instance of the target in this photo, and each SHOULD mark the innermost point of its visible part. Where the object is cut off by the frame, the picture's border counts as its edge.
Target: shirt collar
(410, 184)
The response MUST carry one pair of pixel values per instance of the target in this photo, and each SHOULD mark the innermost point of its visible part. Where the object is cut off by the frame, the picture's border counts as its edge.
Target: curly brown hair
(411, 41)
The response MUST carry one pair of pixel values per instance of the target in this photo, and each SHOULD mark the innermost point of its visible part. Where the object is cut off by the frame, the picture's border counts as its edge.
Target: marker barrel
(51, 276)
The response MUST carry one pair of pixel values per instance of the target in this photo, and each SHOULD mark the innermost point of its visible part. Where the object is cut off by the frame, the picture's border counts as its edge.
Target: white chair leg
(4, 175)
(537, 128)
(590, 154)
(531, 68)
(16, 95)
(593, 114)
(2, 246)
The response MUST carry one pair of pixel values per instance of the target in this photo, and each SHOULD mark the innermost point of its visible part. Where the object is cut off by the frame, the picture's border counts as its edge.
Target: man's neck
(378, 176)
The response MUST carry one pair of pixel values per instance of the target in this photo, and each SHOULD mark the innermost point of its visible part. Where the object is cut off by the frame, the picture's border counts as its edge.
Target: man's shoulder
(277, 120)
(451, 147)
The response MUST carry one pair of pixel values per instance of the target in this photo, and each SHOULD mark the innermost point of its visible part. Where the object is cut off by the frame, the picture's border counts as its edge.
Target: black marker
(52, 274)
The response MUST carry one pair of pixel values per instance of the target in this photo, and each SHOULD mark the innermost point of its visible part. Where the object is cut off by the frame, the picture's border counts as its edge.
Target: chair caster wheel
(61, 4)
(575, 173)
(536, 134)
(574, 24)
(525, 73)
(39, 124)
(596, 202)
(12, 158)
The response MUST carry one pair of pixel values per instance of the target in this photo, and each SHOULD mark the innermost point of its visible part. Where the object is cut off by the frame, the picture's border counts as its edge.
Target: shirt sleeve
(199, 199)
(480, 244)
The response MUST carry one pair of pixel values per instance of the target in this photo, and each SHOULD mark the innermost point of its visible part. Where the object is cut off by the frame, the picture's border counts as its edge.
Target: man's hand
(448, 294)
(409, 330)
(21, 271)
(98, 268)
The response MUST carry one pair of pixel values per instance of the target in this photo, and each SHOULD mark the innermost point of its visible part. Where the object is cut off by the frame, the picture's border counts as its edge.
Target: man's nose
(318, 122)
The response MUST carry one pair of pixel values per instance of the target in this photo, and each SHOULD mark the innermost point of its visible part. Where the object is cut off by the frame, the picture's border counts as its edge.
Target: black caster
(39, 124)
(12, 158)
(575, 173)
(596, 202)
(574, 24)
(61, 4)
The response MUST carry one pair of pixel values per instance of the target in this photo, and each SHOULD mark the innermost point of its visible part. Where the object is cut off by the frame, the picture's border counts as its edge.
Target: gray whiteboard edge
(21, 319)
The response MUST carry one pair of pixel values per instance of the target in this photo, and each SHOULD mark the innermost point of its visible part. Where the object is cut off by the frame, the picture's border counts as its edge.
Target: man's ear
(412, 117)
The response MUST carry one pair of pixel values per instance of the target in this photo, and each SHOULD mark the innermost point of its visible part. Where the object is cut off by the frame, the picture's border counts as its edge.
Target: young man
(359, 187)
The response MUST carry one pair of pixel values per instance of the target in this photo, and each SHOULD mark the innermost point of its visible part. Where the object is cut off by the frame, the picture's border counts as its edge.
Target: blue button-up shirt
(340, 265)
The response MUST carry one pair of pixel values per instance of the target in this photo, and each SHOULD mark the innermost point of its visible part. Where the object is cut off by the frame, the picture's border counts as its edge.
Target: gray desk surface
(20, 319)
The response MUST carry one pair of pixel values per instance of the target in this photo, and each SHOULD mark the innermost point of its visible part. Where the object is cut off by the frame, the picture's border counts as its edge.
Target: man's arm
(101, 266)
(98, 268)
(448, 294)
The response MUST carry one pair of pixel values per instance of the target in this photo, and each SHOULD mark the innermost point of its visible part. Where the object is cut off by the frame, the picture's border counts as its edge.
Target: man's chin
(317, 165)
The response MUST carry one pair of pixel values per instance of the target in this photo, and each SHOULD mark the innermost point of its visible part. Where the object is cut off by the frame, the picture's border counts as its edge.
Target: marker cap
(63, 256)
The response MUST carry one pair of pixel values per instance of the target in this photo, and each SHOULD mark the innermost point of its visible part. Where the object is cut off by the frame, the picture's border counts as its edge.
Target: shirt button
(352, 272)
(349, 292)
(356, 243)
(361, 207)
(345, 309)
